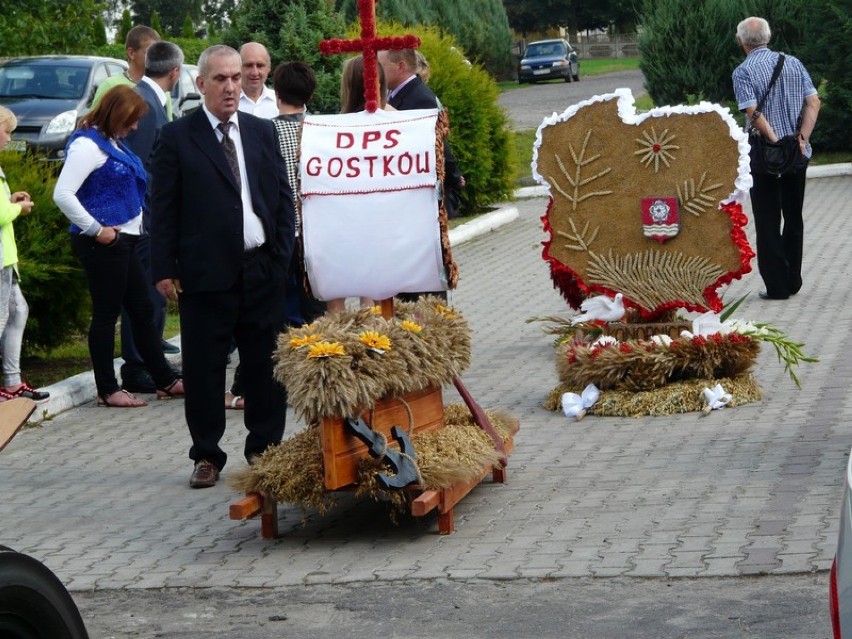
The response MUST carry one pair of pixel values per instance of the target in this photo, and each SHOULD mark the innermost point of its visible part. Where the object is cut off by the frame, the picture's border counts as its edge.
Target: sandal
(234, 402)
(172, 391)
(121, 399)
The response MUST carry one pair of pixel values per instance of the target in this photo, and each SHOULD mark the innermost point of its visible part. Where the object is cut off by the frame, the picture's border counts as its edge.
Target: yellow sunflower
(374, 339)
(325, 349)
(446, 311)
(305, 340)
(414, 327)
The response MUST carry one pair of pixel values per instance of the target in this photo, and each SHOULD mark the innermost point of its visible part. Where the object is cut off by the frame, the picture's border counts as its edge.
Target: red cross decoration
(369, 45)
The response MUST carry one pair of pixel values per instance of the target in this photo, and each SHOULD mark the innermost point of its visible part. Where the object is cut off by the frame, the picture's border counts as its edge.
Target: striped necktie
(230, 152)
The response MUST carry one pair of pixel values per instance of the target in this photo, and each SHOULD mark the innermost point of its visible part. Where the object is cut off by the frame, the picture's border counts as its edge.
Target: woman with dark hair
(352, 86)
(101, 190)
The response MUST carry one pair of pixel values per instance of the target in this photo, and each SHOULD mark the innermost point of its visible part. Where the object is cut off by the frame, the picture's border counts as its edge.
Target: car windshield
(55, 82)
(545, 49)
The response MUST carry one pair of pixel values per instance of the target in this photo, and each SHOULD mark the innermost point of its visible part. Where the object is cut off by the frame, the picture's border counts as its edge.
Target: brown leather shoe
(204, 475)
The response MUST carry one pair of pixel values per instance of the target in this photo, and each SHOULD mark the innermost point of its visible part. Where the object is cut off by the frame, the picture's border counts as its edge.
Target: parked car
(548, 60)
(48, 95)
(185, 95)
(840, 578)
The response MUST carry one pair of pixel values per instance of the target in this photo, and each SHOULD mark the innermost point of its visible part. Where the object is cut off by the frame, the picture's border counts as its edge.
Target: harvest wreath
(658, 374)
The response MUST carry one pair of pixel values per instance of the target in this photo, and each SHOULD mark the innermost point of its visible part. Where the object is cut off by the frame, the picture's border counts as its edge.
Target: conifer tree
(292, 31)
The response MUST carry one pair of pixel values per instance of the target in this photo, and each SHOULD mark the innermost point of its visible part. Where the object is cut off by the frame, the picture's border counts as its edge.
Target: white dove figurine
(601, 307)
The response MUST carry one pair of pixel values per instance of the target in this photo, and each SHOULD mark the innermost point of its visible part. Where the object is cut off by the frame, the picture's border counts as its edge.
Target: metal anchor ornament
(403, 463)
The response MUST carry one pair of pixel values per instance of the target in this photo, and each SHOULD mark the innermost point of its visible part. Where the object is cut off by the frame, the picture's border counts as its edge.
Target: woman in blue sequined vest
(101, 190)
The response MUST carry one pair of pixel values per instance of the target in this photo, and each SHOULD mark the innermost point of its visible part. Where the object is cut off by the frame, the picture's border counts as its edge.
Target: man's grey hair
(753, 32)
(161, 58)
(211, 52)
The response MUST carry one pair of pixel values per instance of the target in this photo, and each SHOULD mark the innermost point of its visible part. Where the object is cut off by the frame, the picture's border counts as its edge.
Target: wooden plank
(14, 413)
(248, 506)
(269, 519)
(447, 523)
(342, 450)
(425, 503)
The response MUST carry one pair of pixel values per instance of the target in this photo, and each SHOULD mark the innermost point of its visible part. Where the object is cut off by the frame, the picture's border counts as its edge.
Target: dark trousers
(252, 312)
(779, 252)
(301, 309)
(129, 352)
(116, 280)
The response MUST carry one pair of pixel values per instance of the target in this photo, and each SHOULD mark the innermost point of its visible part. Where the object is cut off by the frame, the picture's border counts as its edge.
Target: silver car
(840, 581)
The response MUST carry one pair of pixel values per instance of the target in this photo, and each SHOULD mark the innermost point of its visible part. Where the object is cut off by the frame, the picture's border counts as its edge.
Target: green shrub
(293, 31)
(191, 47)
(829, 28)
(51, 277)
(480, 27)
(688, 49)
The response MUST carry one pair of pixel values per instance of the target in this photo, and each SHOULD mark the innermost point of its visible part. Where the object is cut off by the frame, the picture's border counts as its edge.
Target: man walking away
(790, 108)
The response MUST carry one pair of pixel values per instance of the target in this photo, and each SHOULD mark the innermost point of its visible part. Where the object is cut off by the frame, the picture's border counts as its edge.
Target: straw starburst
(655, 148)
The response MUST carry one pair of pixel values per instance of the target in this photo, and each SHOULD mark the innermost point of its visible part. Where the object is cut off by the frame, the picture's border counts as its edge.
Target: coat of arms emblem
(660, 218)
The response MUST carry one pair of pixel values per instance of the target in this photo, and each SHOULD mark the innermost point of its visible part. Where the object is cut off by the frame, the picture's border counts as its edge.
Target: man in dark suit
(223, 233)
(163, 62)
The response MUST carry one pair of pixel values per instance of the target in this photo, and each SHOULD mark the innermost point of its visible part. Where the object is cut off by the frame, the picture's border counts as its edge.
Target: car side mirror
(188, 97)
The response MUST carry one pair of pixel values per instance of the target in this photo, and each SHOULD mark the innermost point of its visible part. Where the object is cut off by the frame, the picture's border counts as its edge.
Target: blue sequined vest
(114, 193)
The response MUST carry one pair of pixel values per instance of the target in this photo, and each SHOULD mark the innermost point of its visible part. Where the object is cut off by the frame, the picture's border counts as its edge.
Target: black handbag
(774, 158)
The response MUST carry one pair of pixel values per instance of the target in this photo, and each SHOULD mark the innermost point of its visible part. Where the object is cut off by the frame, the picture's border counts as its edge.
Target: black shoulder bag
(774, 158)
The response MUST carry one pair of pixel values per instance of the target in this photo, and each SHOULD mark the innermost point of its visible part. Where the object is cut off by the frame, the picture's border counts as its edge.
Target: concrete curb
(80, 389)
(482, 225)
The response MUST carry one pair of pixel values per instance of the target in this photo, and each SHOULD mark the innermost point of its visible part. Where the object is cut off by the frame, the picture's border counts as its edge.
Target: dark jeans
(116, 280)
(779, 252)
(129, 353)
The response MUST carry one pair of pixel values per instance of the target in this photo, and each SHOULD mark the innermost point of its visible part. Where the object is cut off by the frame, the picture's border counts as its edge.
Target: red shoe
(25, 390)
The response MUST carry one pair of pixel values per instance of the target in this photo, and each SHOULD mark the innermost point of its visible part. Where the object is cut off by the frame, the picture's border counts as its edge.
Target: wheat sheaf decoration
(676, 276)
(343, 363)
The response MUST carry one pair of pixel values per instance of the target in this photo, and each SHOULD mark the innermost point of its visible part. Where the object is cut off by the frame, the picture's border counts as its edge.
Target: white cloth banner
(370, 204)
(355, 153)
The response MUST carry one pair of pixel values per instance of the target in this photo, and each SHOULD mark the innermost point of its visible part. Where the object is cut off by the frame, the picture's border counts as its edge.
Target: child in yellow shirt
(13, 307)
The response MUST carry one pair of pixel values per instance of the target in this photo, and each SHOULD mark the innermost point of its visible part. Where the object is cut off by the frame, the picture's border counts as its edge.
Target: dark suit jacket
(414, 95)
(142, 140)
(196, 210)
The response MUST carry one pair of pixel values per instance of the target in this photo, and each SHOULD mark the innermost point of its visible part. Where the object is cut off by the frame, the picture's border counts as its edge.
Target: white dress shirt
(158, 90)
(253, 233)
(266, 105)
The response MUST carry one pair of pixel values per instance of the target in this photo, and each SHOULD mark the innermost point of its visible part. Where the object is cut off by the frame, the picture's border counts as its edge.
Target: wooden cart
(342, 451)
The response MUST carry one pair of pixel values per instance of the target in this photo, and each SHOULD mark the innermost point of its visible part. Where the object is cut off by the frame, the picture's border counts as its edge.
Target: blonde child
(13, 307)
